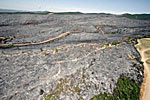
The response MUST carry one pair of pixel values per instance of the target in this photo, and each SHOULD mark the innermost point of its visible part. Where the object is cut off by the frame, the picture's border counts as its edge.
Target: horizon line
(107, 12)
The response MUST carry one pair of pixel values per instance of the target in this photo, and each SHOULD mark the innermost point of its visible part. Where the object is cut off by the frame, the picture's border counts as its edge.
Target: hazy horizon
(85, 6)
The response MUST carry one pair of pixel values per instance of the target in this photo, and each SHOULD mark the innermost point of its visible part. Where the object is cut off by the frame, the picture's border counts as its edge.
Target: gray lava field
(78, 66)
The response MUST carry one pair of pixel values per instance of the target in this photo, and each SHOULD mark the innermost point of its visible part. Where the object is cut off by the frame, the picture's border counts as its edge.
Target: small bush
(126, 89)
(7, 46)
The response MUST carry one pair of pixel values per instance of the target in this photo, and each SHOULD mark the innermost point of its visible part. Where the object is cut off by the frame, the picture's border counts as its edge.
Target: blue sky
(96, 6)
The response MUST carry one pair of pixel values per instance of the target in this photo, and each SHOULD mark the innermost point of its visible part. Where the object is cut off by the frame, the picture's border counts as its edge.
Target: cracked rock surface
(76, 67)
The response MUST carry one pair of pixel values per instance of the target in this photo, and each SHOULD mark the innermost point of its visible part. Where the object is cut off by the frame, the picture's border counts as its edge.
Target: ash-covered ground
(76, 67)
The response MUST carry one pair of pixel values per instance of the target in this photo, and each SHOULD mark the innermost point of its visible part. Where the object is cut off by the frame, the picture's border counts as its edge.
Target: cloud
(85, 10)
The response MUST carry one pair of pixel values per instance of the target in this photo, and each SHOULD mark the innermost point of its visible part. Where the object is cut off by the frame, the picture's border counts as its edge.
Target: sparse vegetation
(56, 50)
(126, 89)
(45, 53)
(62, 86)
(130, 40)
(147, 52)
(111, 44)
(145, 43)
(39, 13)
(2, 40)
(7, 46)
(115, 43)
(68, 13)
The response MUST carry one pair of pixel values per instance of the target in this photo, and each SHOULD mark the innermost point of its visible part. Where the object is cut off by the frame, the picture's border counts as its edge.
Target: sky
(86, 6)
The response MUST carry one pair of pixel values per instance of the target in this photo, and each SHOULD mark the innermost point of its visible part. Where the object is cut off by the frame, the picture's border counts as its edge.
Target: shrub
(126, 89)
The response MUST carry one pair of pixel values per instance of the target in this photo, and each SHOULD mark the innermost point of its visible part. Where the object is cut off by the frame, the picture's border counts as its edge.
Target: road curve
(145, 90)
(42, 42)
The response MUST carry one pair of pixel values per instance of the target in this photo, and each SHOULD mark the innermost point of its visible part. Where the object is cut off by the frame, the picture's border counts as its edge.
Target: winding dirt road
(145, 90)
(42, 42)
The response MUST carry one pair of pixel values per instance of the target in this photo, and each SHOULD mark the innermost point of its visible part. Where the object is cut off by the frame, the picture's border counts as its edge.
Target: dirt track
(42, 42)
(145, 91)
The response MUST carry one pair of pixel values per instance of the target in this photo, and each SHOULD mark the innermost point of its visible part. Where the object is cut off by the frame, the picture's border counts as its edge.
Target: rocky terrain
(75, 66)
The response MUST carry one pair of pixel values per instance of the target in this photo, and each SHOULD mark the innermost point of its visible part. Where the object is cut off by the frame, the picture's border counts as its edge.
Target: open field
(70, 57)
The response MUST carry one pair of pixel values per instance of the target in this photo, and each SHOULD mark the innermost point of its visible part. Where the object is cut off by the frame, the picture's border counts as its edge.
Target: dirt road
(145, 91)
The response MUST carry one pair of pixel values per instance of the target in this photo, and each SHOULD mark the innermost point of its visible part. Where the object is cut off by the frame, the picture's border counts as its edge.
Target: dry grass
(147, 53)
(31, 22)
(145, 43)
(132, 57)
(148, 61)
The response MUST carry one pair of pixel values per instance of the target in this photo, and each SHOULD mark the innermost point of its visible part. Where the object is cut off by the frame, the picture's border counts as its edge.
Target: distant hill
(137, 16)
(68, 13)
(81, 13)
(131, 16)
(99, 13)
(11, 11)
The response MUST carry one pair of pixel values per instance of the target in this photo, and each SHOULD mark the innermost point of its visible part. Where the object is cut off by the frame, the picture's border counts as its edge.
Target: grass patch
(145, 43)
(126, 89)
(147, 52)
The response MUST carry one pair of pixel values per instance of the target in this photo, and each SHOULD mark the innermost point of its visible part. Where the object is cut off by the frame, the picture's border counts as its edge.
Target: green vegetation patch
(104, 96)
(115, 43)
(7, 46)
(130, 40)
(68, 13)
(126, 89)
(137, 16)
(98, 13)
